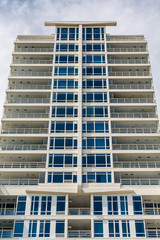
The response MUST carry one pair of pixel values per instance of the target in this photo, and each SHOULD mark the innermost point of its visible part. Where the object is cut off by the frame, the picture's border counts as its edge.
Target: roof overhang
(84, 23)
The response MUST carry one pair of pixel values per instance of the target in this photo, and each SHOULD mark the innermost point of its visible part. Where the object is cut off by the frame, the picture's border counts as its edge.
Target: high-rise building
(80, 151)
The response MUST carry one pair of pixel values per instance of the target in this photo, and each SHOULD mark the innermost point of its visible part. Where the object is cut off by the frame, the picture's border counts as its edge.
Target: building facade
(79, 154)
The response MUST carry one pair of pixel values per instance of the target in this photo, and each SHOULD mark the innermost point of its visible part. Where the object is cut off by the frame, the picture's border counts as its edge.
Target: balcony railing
(26, 115)
(35, 39)
(6, 233)
(79, 234)
(153, 233)
(30, 87)
(131, 100)
(131, 73)
(140, 181)
(25, 131)
(133, 115)
(23, 147)
(19, 181)
(34, 50)
(126, 49)
(151, 211)
(134, 130)
(131, 61)
(29, 100)
(7, 211)
(136, 146)
(136, 164)
(130, 86)
(41, 74)
(79, 211)
(33, 62)
(125, 38)
(22, 165)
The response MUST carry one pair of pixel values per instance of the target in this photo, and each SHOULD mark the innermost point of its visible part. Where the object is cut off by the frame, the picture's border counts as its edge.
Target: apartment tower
(79, 155)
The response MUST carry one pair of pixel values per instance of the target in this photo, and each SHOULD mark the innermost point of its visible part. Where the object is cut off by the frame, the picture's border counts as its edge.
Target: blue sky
(18, 17)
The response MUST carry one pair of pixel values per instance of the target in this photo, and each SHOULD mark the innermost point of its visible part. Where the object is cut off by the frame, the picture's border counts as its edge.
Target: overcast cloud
(18, 17)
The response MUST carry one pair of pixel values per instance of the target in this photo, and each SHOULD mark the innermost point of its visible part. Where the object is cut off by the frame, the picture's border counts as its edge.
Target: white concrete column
(105, 229)
(132, 229)
(130, 205)
(26, 228)
(104, 205)
(28, 204)
(54, 204)
(53, 229)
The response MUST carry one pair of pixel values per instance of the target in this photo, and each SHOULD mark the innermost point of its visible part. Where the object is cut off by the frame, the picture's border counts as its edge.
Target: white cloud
(18, 17)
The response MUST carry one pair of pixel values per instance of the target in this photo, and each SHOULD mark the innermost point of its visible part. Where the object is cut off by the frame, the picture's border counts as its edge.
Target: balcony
(79, 234)
(79, 205)
(27, 115)
(34, 74)
(136, 146)
(79, 211)
(133, 115)
(7, 211)
(22, 165)
(29, 100)
(23, 147)
(132, 100)
(79, 228)
(126, 61)
(126, 50)
(140, 181)
(135, 130)
(37, 87)
(32, 62)
(123, 38)
(153, 232)
(25, 131)
(131, 73)
(6, 233)
(34, 38)
(130, 86)
(19, 182)
(34, 50)
(136, 164)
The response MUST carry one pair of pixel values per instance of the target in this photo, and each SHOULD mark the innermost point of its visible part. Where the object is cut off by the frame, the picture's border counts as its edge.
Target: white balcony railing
(130, 86)
(153, 233)
(79, 211)
(131, 73)
(136, 146)
(26, 115)
(34, 50)
(131, 100)
(136, 164)
(6, 233)
(131, 61)
(79, 234)
(22, 165)
(30, 87)
(135, 130)
(110, 38)
(7, 211)
(133, 115)
(19, 181)
(32, 62)
(29, 100)
(151, 211)
(126, 49)
(23, 147)
(41, 74)
(140, 181)
(25, 131)
(35, 39)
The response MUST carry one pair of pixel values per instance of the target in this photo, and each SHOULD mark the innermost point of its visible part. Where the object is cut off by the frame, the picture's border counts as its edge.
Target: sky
(26, 17)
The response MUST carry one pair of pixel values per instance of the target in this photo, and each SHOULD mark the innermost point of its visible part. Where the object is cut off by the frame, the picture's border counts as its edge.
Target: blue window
(95, 112)
(63, 71)
(44, 230)
(97, 205)
(46, 205)
(113, 228)
(101, 177)
(60, 204)
(32, 228)
(125, 228)
(124, 205)
(63, 143)
(59, 228)
(98, 177)
(96, 160)
(64, 32)
(112, 202)
(94, 83)
(95, 71)
(66, 47)
(94, 97)
(61, 127)
(60, 177)
(140, 230)
(71, 33)
(97, 127)
(98, 228)
(95, 143)
(137, 205)
(18, 229)
(96, 34)
(34, 205)
(21, 205)
(64, 112)
(62, 160)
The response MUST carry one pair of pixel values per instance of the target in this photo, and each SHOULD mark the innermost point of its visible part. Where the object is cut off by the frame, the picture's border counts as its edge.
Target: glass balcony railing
(33, 62)
(25, 131)
(35, 39)
(140, 181)
(79, 234)
(131, 73)
(19, 181)
(133, 115)
(153, 233)
(126, 61)
(110, 38)
(29, 100)
(132, 100)
(130, 86)
(79, 211)
(136, 146)
(6, 233)
(126, 49)
(7, 211)
(22, 165)
(135, 130)
(23, 86)
(41, 74)
(136, 164)
(151, 211)
(26, 115)
(34, 50)
(23, 147)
